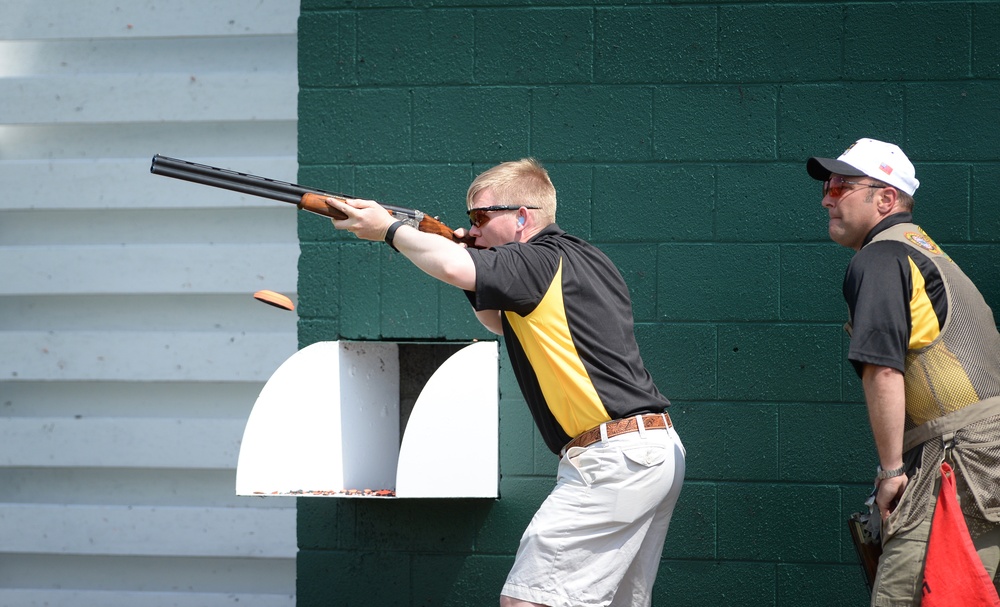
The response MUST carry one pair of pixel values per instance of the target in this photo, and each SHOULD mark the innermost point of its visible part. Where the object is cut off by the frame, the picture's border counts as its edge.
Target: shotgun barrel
(245, 183)
(305, 198)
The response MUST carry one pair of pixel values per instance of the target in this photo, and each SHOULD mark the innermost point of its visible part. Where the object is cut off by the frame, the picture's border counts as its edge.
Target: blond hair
(518, 183)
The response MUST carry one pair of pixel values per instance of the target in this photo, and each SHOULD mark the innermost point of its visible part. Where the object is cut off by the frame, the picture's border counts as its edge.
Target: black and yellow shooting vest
(960, 366)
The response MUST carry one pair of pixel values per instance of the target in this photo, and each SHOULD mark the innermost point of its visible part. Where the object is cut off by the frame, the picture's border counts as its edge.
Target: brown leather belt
(615, 427)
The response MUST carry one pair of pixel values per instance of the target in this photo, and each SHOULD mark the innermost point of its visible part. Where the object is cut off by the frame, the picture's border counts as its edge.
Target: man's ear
(888, 200)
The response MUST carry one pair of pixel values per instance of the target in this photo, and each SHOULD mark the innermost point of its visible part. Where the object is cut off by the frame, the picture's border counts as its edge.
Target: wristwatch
(884, 474)
(392, 232)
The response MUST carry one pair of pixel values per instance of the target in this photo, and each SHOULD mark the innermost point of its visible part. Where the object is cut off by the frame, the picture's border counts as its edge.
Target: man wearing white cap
(926, 347)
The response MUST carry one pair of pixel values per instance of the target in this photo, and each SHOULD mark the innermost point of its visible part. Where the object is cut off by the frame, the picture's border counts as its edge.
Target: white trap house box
(342, 418)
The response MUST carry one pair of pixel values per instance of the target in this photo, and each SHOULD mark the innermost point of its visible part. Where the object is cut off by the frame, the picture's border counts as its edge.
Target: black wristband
(392, 232)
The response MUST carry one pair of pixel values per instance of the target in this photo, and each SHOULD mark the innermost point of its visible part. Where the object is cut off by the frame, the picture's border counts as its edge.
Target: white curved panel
(450, 446)
(327, 420)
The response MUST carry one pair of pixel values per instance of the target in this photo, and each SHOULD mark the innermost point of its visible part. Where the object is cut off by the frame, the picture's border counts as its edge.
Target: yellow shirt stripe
(924, 325)
(545, 338)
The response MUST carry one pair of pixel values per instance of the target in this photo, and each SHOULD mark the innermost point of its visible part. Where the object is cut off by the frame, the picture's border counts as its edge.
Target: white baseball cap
(876, 159)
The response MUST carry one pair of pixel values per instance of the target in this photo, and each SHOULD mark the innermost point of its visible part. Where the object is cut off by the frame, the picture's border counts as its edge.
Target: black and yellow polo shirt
(913, 309)
(887, 305)
(568, 326)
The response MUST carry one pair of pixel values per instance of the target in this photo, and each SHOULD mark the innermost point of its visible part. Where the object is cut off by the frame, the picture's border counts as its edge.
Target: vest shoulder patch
(925, 242)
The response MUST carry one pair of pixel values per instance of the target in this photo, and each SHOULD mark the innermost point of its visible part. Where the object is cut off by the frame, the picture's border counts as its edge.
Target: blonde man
(565, 314)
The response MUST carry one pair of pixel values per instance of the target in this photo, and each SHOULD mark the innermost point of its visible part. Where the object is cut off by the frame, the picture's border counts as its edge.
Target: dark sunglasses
(836, 190)
(478, 217)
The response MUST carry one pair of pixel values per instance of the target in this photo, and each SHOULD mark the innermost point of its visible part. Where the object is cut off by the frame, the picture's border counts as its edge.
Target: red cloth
(954, 575)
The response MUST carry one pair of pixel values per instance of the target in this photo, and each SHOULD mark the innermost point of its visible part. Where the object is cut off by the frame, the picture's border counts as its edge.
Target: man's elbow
(491, 320)
(496, 330)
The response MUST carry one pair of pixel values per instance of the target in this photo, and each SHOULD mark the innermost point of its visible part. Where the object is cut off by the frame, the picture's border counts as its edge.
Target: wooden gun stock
(316, 203)
(307, 199)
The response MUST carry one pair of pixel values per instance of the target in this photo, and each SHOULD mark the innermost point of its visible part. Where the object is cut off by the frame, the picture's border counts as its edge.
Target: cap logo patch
(885, 168)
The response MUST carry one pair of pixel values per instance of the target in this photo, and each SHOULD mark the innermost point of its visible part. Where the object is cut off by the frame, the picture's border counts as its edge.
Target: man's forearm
(439, 257)
(442, 258)
(448, 263)
(886, 397)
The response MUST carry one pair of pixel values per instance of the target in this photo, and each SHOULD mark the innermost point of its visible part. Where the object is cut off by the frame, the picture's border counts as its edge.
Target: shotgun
(307, 199)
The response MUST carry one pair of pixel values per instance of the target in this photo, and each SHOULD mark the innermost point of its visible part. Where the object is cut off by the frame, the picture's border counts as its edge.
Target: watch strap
(391, 232)
(884, 474)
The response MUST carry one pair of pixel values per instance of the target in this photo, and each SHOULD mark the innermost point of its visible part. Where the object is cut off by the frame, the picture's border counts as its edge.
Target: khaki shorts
(598, 538)
(901, 567)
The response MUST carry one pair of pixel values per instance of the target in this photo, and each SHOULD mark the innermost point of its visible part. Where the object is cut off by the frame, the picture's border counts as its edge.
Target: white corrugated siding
(131, 349)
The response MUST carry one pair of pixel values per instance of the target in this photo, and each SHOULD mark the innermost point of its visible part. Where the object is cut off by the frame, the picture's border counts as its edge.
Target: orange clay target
(275, 299)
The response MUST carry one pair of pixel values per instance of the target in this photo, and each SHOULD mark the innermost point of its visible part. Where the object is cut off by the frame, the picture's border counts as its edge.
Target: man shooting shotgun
(565, 314)
(307, 199)
(566, 318)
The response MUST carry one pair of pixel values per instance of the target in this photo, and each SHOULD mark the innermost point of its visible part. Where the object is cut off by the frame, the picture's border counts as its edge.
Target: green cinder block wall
(675, 133)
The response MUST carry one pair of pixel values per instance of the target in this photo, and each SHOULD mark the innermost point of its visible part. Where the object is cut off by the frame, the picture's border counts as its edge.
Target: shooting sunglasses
(478, 217)
(837, 189)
